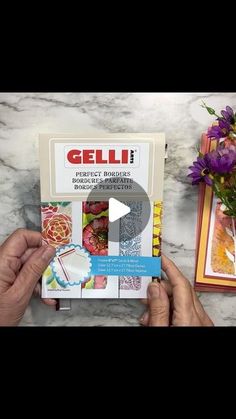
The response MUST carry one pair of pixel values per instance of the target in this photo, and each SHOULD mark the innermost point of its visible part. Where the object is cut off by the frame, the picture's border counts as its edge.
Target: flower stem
(211, 111)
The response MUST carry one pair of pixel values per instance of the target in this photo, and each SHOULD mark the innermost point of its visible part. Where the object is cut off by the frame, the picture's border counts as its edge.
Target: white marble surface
(24, 115)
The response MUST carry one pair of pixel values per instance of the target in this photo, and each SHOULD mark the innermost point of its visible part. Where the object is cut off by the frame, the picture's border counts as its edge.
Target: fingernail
(49, 253)
(37, 289)
(154, 290)
(53, 302)
(144, 317)
(156, 280)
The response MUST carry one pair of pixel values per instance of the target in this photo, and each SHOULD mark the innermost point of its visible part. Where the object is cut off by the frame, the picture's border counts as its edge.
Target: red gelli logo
(102, 155)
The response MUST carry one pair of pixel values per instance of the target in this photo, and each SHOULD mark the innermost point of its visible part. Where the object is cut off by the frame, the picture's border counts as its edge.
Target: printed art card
(216, 241)
(79, 228)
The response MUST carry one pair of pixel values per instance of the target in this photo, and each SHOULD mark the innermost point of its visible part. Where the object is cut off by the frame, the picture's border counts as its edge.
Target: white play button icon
(129, 209)
(117, 210)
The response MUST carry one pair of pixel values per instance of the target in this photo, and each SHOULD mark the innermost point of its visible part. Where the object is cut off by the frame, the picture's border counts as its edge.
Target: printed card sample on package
(85, 182)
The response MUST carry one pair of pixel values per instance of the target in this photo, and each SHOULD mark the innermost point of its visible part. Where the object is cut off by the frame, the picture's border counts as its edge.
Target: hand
(22, 262)
(173, 302)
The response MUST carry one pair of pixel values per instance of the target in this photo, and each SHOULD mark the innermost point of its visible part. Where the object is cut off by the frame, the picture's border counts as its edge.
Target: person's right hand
(173, 302)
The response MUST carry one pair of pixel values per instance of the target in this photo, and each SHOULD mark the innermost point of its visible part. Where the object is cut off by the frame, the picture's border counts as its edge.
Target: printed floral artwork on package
(57, 229)
(95, 237)
(56, 218)
(56, 223)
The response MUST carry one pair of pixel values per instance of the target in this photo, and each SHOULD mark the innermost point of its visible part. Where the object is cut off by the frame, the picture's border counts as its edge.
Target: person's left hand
(22, 262)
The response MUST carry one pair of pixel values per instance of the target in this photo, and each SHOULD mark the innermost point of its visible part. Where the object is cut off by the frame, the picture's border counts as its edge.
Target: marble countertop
(179, 115)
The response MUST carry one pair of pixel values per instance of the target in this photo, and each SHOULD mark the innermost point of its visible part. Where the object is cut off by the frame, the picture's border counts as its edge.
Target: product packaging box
(101, 208)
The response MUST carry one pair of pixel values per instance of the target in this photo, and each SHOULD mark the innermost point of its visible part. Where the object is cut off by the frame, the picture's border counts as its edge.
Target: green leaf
(64, 204)
(230, 213)
(90, 284)
(49, 280)
(55, 204)
(211, 111)
(54, 284)
(89, 217)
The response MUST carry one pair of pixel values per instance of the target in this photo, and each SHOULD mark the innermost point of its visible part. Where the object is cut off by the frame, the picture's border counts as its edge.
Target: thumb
(158, 305)
(32, 270)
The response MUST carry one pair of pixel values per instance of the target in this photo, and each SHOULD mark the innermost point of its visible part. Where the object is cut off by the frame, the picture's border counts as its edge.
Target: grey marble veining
(24, 115)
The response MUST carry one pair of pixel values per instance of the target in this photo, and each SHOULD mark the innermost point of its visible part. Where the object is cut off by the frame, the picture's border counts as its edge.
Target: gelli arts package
(101, 208)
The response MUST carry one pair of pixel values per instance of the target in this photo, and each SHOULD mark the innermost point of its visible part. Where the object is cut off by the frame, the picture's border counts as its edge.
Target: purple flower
(228, 114)
(216, 132)
(219, 131)
(200, 172)
(221, 160)
(224, 125)
(227, 149)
